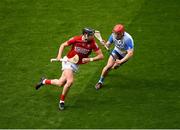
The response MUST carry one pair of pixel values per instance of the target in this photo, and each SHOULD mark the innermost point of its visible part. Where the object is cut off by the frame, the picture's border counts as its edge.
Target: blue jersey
(121, 46)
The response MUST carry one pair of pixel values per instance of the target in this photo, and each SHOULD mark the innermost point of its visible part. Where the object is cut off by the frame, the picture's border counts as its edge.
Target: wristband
(91, 59)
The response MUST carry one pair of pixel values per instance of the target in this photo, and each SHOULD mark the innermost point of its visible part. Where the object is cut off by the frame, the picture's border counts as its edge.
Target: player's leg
(58, 82)
(69, 81)
(62, 80)
(108, 66)
(68, 70)
(105, 71)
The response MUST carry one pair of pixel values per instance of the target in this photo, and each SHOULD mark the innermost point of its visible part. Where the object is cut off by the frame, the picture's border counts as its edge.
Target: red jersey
(81, 48)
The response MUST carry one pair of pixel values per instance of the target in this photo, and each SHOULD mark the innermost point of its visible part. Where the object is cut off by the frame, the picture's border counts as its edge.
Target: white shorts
(69, 65)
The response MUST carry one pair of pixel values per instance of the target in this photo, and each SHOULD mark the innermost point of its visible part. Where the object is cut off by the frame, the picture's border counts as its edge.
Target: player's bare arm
(127, 57)
(61, 48)
(99, 56)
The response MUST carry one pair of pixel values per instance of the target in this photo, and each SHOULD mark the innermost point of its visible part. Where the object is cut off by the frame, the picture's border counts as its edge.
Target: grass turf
(144, 93)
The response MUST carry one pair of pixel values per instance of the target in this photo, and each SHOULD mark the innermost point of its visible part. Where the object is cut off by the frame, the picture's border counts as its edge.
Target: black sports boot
(61, 105)
(98, 85)
(38, 85)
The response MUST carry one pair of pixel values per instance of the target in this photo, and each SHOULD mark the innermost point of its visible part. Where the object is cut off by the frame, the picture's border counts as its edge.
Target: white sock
(61, 101)
(44, 81)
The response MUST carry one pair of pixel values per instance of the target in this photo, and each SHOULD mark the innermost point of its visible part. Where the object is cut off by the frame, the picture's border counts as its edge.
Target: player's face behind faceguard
(118, 36)
(88, 34)
(118, 31)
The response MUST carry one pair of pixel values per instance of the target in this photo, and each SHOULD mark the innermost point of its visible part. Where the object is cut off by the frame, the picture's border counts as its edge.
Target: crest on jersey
(119, 43)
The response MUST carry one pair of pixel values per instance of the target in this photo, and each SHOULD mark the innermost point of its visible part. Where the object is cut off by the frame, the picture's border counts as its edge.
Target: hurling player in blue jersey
(122, 52)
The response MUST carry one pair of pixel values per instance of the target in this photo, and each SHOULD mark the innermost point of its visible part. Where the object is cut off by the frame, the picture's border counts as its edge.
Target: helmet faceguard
(88, 31)
(88, 34)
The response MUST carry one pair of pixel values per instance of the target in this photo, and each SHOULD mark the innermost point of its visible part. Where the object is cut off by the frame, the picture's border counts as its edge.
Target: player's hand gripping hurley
(74, 59)
(97, 34)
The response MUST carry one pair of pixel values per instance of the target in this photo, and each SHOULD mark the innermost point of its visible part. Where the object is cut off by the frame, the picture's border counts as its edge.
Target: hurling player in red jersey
(82, 46)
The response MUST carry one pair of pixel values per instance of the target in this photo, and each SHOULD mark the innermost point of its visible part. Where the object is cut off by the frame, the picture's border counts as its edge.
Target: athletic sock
(62, 97)
(46, 81)
(101, 80)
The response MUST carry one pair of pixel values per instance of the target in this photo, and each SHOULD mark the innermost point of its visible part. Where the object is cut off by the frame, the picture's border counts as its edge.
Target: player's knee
(108, 67)
(69, 82)
(60, 83)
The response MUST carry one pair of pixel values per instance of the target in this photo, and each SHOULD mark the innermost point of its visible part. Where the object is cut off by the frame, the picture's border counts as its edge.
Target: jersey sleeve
(110, 38)
(95, 47)
(130, 44)
(71, 41)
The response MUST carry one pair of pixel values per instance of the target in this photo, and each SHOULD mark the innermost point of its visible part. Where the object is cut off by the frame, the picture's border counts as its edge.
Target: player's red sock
(62, 97)
(47, 81)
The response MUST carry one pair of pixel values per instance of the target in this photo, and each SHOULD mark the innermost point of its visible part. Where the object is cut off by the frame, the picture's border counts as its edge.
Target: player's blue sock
(101, 79)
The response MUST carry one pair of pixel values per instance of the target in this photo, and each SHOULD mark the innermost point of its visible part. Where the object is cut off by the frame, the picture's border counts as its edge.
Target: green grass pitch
(144, 93)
